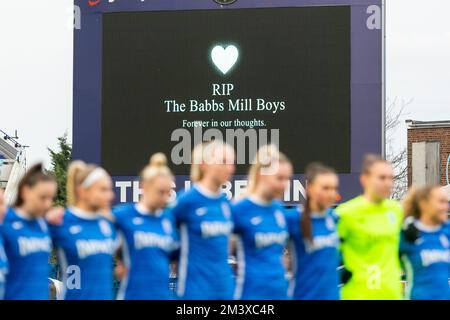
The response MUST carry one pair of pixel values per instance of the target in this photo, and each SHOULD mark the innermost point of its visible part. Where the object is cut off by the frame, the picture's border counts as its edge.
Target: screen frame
(367, 77)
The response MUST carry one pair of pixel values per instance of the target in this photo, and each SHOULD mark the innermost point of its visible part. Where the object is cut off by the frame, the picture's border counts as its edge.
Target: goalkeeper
(369, 228)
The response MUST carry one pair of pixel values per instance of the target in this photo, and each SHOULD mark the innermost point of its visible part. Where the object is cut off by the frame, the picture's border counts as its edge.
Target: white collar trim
(258, 201)
(144, 211)
(84, 214)
(207, 193)
(422, 227)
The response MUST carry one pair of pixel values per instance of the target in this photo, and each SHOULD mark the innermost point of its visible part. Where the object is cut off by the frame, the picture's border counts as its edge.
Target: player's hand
(120, 270)
(55, 216)
(346, 275)
(410, 231)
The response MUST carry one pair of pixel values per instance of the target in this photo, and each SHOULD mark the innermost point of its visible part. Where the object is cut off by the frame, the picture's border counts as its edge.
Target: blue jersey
(315, 275)
(262, 235)
(427, 263)
(148, 242)
(27, 245)
(85, 243)
(3, 268)
(205, 224)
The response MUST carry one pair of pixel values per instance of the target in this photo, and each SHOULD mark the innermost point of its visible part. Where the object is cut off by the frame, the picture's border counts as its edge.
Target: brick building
(428, 152)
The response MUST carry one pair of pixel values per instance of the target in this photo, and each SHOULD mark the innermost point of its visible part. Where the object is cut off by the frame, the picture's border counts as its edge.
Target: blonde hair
(411, 202)
(157, 166)
(78, 172)
(204, 153)
(265, 157)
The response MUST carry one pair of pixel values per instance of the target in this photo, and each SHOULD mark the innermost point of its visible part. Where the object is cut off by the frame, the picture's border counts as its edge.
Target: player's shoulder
(393, 205)
(293, 213)
(241, 203)
(123, 209)
(350, 207)
(446, 228)
(167, 213)
(186, 196)
(278, 205)
(10, 216)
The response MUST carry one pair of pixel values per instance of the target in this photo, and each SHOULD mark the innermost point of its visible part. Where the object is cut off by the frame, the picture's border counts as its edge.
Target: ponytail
(157, 166)
(33, 176)
(77, 173)
(313, 170)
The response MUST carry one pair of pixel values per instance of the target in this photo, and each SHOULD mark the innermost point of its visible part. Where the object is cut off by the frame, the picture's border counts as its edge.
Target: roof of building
(414, 124)
(6, 150)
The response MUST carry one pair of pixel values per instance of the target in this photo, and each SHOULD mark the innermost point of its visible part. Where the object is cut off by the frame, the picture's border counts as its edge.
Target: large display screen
(171, 78)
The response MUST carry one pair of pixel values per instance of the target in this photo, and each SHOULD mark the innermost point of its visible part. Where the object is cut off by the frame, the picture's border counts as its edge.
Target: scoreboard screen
(165, 75)
(269, 71)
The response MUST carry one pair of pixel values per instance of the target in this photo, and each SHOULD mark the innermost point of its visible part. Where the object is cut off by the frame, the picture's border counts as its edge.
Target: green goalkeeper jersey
(370, 234)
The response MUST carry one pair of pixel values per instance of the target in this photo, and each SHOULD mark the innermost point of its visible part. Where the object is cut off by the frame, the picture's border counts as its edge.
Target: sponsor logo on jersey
(215, 228)
(30, 245)
(256, 220)
(75, 229)
(86, 248)
(431, 256)
(17, 225)
(266, 239)
(321, 242)
(151, 240)
(201, 211)
(138, 221)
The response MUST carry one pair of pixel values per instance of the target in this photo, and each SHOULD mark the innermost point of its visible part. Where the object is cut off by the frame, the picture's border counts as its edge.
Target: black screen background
(298, 55)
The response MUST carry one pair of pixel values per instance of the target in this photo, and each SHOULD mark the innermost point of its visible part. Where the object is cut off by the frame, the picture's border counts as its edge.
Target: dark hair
(32, 177)
(312, 171)
(370, 160)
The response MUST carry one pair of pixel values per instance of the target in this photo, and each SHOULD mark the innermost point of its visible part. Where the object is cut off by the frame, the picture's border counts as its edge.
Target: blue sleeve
(447, 229)
(181, 209)
(117, 213)
(237, 218)
(293, 220)
(55, 234)
(175, 234)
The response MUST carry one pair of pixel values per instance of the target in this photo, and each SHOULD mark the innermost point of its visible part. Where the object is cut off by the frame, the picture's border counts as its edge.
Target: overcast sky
(36, 66)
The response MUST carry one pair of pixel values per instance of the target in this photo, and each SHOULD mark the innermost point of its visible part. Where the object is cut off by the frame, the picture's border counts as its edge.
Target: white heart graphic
(224, 58)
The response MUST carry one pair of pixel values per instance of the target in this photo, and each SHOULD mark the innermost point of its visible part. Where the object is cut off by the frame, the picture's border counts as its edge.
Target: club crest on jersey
(105, 228)
(391, 217)
(201, 211)
(444, 241)
(75, 229)
(167, 226)
(279, 217)
(138, 221)
(17, 225)
(329, 223)
(226, 210)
